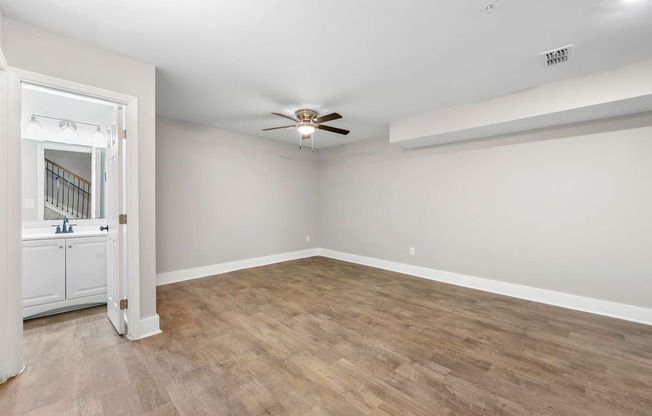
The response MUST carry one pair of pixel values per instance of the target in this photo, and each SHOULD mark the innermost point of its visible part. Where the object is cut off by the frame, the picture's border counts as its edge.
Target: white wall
(223, 196)
(29, 180)
(565, 209)
(40, 51)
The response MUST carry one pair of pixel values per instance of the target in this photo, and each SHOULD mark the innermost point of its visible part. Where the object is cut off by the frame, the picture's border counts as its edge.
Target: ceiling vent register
(556, 56)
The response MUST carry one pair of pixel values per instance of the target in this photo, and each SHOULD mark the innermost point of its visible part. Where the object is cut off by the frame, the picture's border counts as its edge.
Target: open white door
(115, 207)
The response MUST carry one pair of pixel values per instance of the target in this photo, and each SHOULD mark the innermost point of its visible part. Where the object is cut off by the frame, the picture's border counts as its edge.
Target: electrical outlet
(412, 251)
(307, 239)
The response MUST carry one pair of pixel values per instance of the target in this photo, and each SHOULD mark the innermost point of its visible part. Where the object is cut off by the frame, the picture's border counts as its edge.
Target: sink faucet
(63, 229)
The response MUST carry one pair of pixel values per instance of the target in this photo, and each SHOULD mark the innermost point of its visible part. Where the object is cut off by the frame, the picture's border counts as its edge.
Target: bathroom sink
(47, 233)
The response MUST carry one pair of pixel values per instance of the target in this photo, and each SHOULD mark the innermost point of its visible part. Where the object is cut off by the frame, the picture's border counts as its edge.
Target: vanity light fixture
(68, 126)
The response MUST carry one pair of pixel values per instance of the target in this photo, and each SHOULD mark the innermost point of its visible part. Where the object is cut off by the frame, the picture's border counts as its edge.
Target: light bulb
(68, 128)
(68, 125)
(33, 129)
(306, 129)
(98, 134)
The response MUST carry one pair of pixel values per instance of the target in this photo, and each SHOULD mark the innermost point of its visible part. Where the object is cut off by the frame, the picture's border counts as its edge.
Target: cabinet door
(44, 271)
(85, 267)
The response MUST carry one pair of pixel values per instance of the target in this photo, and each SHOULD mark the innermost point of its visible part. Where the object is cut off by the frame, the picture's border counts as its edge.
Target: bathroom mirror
(62, 180)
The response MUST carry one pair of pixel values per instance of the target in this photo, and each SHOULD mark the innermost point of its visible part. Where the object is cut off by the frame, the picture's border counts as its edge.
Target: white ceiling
(229, 64)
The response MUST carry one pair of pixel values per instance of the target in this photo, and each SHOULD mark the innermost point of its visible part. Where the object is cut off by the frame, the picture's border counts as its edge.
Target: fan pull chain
(312, 142)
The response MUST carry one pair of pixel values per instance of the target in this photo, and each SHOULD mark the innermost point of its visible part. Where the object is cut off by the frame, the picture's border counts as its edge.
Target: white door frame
(11, 322)
(133, 239)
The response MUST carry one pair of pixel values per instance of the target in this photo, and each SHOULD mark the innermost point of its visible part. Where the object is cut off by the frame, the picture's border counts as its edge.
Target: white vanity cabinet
(61, 274)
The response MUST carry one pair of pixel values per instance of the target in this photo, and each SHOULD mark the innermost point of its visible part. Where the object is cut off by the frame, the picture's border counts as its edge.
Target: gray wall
(223, 196)
(566, 209)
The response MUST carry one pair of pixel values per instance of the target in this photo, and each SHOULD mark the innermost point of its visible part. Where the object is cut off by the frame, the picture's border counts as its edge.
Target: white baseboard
(205, 271)
(564, 300)
(149, 326)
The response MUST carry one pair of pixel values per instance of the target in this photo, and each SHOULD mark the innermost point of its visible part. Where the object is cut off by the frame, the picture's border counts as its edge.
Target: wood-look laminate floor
(320, 336)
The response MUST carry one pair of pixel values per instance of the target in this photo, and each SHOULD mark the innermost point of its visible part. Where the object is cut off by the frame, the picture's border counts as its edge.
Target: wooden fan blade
(333, 129)
(327, 117)
(284, 116)
(278, 128)
(305, 136)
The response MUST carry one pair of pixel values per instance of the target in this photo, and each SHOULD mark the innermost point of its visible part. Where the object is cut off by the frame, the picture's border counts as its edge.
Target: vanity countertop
(48, 233)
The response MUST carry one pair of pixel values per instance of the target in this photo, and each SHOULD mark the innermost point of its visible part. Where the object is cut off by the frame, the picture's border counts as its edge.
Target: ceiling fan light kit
(307, 121)
(306, 129)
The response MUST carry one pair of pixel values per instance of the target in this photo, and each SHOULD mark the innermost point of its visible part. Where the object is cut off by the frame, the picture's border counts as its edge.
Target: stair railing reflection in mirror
(67, 192)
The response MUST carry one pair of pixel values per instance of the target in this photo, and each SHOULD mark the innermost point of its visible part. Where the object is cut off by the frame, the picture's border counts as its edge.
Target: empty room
(343, 208)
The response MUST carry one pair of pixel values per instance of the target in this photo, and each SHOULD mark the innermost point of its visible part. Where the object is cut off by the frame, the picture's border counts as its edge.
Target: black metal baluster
(66, 197)
(82, 201)
(49, 185)
(58, 190)
(66, 192)
(48, 176)
(77, 203)
(70, 191)
(52, 184)
(62, 185)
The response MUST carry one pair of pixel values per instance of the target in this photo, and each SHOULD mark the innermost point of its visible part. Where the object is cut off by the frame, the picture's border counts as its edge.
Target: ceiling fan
(307, 121)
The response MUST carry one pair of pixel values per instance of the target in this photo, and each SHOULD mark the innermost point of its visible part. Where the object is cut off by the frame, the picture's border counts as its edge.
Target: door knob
(104, 228)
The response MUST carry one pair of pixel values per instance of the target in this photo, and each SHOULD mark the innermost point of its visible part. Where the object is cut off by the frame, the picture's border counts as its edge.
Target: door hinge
(124, 304)
(123, 134)
(122, 218)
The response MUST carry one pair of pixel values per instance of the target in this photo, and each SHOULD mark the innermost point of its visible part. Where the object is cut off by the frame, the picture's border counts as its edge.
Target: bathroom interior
(66, 198)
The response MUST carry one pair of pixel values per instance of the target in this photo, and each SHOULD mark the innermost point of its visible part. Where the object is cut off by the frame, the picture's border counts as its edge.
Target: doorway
(78, 125)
